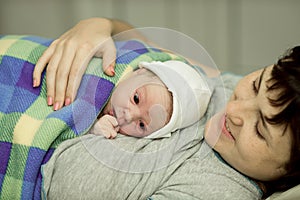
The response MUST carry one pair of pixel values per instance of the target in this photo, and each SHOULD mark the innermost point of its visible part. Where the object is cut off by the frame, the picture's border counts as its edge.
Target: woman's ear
(281, 170)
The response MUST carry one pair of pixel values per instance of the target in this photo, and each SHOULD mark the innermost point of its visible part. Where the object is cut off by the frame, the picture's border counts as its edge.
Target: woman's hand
(68, 56)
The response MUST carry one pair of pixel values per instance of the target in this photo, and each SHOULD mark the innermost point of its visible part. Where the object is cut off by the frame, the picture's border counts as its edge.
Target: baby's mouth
(119, 117)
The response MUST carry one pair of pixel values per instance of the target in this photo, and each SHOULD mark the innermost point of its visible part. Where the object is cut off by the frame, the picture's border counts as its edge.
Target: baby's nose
(132, 114)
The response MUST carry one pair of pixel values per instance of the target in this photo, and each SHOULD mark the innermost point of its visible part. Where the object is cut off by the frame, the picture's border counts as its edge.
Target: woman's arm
(68, 56)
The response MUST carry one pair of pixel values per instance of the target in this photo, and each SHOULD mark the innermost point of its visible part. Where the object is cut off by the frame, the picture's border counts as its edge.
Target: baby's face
(140, 106)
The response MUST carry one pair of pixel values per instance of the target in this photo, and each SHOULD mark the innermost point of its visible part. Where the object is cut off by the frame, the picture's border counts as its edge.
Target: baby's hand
(107, 126)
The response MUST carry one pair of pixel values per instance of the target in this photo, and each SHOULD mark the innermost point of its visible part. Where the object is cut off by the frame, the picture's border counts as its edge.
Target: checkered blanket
(29, 129)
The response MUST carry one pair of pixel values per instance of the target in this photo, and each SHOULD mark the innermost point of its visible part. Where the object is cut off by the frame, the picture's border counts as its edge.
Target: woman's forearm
(121, 30)
(119, 26)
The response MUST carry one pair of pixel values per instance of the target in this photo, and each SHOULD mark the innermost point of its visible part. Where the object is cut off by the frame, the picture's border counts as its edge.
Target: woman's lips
(225, 129)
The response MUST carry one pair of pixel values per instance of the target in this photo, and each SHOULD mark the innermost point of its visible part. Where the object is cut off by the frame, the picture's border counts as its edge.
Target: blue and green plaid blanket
(29, 129)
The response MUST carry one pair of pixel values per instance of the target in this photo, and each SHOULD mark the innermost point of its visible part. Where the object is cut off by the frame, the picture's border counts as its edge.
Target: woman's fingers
(51, 74)
(109, 57)
(62, 75)
(67, 62)
(42, 63)
(79, 65)
(68, 56)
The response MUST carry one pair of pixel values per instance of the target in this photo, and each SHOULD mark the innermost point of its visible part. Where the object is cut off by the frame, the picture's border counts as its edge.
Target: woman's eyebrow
(261, 78)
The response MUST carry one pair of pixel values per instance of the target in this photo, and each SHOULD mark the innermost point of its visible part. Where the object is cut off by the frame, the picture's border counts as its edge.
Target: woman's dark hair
(285, 78)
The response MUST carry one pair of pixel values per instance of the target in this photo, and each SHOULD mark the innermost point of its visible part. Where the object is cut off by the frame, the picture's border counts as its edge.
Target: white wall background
(240, 35)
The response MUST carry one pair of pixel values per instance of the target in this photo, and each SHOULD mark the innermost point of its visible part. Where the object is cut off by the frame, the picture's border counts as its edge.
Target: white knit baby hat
(190, 92)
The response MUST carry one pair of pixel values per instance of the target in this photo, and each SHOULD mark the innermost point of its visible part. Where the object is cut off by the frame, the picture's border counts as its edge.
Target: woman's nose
(240, 110)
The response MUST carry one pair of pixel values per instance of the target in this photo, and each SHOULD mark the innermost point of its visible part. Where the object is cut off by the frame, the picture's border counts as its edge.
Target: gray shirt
(180, 167)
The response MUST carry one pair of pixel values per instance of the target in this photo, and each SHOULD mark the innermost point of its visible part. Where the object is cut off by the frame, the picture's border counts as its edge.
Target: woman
(259, 136)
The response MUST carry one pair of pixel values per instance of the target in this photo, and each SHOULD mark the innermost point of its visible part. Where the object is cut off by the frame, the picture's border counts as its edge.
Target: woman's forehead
(274, 94)
(265, 95)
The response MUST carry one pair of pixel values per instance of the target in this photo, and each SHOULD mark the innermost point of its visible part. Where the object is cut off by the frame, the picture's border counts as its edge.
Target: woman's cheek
(213, 128)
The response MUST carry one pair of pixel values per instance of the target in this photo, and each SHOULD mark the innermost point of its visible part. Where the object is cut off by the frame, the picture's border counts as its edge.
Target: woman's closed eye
(256, 89)
(259, 135)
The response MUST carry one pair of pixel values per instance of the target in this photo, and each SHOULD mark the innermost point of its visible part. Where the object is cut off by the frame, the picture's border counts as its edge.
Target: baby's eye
(136, 98)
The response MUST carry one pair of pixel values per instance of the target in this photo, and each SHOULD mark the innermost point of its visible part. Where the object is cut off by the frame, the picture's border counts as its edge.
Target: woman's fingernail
(67, 101)
(112, 69)
(56, 106)
(34, 83)
(49, 101)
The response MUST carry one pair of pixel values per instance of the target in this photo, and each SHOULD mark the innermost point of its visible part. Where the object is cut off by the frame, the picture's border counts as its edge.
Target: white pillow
(291, 194)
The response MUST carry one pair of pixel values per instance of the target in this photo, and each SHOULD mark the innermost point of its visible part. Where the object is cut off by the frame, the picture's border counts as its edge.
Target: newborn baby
(154, 100)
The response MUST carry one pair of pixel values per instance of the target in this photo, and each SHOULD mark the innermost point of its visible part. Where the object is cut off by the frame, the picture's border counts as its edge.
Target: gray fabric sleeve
(87, 167)
(206, 176)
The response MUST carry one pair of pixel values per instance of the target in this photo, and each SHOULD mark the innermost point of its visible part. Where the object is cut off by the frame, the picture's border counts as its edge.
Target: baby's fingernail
(49, 101)
(56, 106)
(67, 101)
